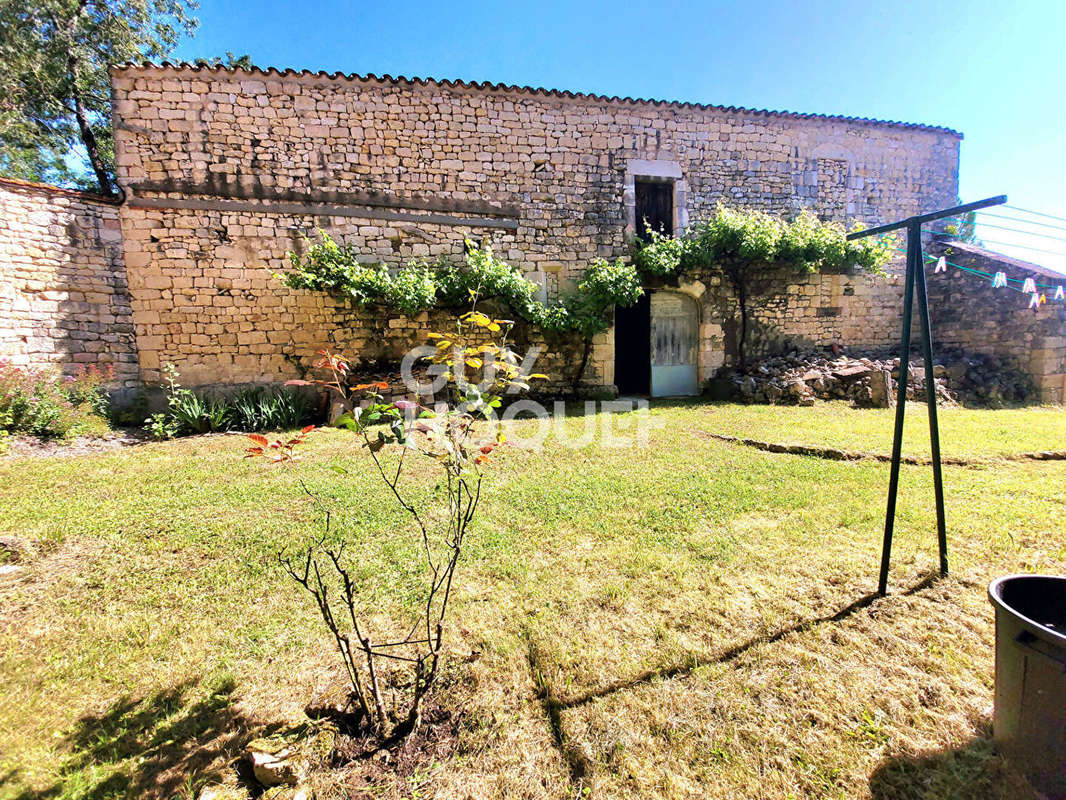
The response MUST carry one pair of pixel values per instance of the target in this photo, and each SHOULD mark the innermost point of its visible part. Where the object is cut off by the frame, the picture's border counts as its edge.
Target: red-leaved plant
(391, 675)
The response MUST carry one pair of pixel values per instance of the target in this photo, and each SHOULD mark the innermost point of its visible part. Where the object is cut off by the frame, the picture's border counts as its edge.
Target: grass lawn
(690, 619)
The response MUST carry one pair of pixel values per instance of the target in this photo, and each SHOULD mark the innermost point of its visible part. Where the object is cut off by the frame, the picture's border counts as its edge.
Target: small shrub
(39, 402)
(162, 426)
(391, 674)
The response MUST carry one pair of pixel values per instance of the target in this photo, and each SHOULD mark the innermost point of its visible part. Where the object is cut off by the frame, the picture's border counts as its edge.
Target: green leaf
(346, 420)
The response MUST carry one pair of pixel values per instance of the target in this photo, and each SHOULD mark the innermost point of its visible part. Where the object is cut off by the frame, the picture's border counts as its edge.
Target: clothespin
(941, 265)
(1060, 294)
(999, 280)
(1029, 287)
(1034, 301)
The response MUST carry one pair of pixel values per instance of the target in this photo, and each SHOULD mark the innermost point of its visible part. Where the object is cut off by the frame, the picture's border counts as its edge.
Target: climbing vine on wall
(741, 245)
(745, 246)
(331, 267)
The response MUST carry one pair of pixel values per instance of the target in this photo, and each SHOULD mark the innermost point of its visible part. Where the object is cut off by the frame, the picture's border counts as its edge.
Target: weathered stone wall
(63, 297)
(206, 299)
(969, 314)
(226, 169)
(789, 309)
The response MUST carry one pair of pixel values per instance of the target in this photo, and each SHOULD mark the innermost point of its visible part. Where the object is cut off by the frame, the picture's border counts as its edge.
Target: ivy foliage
(331, 267)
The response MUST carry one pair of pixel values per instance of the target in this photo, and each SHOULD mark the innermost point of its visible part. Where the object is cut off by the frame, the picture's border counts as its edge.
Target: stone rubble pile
(869, 381)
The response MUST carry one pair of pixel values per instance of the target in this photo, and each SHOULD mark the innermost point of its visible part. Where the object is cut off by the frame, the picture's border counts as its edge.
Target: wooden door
(674, 342)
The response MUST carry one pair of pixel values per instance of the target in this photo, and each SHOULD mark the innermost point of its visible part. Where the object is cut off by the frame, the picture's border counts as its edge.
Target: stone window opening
(653, 207)
(662, 184)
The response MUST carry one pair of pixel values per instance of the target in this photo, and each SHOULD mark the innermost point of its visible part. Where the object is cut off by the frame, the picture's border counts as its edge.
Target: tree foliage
(746, 246)
(55, 91)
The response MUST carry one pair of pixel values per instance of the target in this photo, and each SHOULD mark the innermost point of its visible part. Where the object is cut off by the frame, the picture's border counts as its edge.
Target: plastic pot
(1029, 726)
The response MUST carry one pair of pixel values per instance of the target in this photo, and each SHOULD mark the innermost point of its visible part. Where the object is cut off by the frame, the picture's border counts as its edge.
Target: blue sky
(993, 70)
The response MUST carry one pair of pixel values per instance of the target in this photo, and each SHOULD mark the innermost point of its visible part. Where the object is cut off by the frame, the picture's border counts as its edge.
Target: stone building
(224, 171)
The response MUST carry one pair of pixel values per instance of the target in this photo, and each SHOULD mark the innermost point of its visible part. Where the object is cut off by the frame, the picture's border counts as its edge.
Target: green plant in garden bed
(249, 409)
(41, 402)
(256, 408)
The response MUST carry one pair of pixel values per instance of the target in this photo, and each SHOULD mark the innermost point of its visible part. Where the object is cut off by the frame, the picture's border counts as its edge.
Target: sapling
(392, 674)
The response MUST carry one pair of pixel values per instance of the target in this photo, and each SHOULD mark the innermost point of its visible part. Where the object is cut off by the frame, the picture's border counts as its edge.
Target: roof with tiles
(528, 90)
(16, 183)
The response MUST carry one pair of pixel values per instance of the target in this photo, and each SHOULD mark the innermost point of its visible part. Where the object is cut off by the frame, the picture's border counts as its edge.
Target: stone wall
(226, 170)
(63, 296)
(206, 298)
(969, 314)
(851, 309)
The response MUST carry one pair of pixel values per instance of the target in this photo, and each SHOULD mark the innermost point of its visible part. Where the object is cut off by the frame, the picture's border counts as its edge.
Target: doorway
(633, 336)
(632, 347)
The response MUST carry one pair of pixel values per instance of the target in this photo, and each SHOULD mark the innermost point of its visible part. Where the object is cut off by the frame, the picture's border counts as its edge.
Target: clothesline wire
(1037, 213)
(932, 259)
(1019, 221)
(1018, 230)
(1027, 247)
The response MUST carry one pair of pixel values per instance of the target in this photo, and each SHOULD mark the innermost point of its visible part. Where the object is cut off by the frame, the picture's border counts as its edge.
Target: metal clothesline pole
(914, 280)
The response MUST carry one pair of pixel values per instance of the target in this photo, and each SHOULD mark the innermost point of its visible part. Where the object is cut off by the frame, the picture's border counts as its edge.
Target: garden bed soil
(34, 447)
(367, 767)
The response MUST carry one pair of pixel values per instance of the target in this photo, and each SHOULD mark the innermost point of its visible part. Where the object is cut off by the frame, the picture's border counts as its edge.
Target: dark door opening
(632, 347)
(654, 207)
(632, 326)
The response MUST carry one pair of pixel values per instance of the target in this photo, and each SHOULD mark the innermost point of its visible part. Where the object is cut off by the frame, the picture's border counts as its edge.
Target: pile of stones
(869, 380)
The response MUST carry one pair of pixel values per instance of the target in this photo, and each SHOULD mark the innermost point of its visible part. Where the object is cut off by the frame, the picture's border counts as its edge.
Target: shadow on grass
(158, 746)
(972, 771)
(691, 663)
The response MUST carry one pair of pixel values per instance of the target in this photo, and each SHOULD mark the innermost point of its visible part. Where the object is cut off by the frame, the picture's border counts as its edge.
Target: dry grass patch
(828, 711)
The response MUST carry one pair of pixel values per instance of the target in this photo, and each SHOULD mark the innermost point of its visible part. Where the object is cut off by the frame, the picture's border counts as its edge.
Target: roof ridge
(514, 88)
(85, 194)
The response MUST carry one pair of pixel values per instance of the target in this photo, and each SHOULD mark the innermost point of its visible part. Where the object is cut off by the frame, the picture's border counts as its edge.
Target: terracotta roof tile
(16, 183)
(530, 90)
